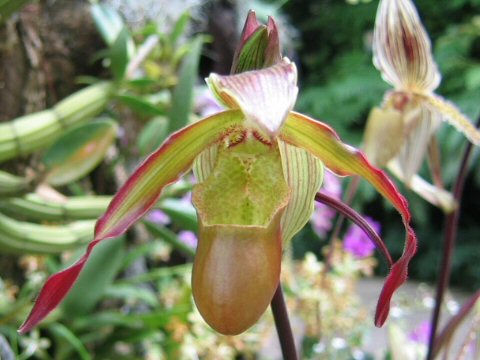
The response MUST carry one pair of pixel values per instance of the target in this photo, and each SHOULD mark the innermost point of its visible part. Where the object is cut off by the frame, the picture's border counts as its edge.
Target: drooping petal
(451, 114)
(321, 141)
(304, 174)
(265, 96)
(135, 198)
(402, 49)
(434, 195)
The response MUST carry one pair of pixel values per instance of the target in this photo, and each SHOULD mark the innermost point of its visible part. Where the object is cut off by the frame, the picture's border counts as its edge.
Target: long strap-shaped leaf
(323, 142)
(135, 198)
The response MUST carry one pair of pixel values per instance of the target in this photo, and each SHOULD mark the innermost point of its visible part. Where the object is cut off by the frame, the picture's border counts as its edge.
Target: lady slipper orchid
(400, 133)
(258, 165)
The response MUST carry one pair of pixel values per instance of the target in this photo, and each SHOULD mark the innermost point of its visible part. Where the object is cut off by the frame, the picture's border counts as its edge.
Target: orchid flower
(400, 133)
(258, 165)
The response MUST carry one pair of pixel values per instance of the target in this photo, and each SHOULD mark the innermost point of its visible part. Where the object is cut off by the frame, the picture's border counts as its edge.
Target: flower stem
(350, 195)
(451, 227)
(282, 324)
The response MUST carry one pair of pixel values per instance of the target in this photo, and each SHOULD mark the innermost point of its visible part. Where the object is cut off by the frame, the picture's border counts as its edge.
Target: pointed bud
(259, 46)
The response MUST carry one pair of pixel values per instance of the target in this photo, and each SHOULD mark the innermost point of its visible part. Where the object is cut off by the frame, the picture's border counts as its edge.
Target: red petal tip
(54, 291)
(397, 276)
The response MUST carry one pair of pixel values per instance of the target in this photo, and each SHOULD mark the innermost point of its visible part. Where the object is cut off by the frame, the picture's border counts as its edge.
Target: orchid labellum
(258, 166)
(401, 132)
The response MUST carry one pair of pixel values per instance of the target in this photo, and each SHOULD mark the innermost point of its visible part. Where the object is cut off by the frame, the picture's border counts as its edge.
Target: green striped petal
(204, 163)
(304, 175)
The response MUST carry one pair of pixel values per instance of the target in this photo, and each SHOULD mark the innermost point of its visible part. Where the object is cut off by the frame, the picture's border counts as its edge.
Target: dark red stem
(451, 227)
(282, 324)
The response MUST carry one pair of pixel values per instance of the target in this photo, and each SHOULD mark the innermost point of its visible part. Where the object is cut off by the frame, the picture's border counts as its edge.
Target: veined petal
(204, 163)
(434, 195)
(322, 142)
(304, 175)
(451, 114)
(401, 48)
(264, 96)
(173, 158)
(420, 124)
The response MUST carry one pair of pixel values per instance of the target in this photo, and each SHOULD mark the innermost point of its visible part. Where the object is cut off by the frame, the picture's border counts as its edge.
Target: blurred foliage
(341, 85)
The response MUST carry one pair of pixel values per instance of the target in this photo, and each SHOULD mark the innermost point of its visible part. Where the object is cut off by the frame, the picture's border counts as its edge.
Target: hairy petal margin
(141, 191)
(320, 140)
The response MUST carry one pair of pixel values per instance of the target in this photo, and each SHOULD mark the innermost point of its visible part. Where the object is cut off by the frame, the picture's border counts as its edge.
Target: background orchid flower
(399, 133)
(258, 166)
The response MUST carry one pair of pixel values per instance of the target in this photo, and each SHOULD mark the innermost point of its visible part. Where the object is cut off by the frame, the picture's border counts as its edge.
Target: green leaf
(130, 293)
(99, 272)
(152, 135)
(62, 331)
(181, 212)
(182, 96)
(108, 22)
(141, 105)
(78, 151)
(8, 7)
(170, 237)
(179, 27)
(120, 53)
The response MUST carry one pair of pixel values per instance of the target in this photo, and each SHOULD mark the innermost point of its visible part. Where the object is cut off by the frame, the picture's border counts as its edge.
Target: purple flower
(323, 215)
(188, 238)
(421, 334)
(158, 217)
(357, 243)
